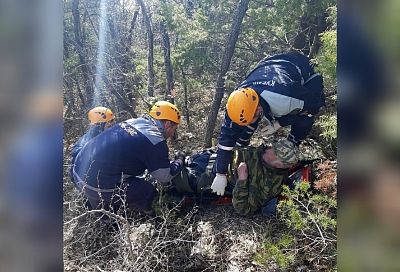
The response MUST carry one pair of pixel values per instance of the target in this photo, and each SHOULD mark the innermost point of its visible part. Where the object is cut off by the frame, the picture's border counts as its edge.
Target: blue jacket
(92, 132)
(290, 92)
(124, 150)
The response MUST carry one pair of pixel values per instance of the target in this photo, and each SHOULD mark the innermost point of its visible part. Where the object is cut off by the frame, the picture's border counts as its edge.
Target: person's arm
(177, 164)
(230, 133)
(175, 167)
(159, 165)
(300, 126)
(247, 133)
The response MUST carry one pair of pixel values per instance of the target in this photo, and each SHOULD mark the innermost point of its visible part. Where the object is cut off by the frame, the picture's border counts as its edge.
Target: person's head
(169, 114)
(101, 115)
(242, 106)
(282, 154)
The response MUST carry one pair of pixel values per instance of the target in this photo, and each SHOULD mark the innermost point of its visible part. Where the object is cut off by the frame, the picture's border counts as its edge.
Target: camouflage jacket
(263, 182)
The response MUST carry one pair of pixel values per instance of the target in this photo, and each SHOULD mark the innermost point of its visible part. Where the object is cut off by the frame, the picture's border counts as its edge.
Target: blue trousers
(133, 193)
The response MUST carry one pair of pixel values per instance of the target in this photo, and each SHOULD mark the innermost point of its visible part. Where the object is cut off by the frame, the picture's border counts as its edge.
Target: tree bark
(121, 101)
(69, 96)
(78, 89)
(86, 72)
(186, 108)
(69, 90)
(120, 84)
(226, 60)
(150, 52)
(133, 22)
(167, 62)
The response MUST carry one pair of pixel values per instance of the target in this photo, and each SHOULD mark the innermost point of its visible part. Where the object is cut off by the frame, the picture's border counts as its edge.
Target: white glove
(271, 128)
(219, 184)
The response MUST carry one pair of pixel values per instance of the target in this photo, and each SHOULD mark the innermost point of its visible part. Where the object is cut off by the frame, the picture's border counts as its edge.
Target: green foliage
(327, 56)
(277, 252)
(311, 219)
(274, 27)
(307, 231)
(199, 38)
(332, 16)
(328, 124)
(326, 64)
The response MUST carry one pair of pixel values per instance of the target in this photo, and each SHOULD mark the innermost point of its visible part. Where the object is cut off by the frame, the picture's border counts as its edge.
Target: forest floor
(195, 238)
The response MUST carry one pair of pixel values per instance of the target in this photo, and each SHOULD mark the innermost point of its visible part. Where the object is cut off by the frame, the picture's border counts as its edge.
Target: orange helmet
(100, 115)
(163, 110)
(242, 105)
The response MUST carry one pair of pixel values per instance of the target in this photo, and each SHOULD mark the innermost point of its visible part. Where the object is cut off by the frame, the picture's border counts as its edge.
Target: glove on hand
(180, 155)
(219, 184)
(271, 129)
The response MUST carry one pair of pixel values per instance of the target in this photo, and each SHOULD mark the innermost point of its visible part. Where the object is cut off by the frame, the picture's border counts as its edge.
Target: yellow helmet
(242, 105)
(163, 110)
(100, 115)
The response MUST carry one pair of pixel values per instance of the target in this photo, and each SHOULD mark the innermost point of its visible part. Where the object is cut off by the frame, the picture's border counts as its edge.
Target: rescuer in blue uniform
(109, 168)
(285, 90)
(100, 119)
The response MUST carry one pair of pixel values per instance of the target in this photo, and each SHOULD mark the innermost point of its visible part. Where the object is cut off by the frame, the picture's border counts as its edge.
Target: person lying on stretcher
(255, 175)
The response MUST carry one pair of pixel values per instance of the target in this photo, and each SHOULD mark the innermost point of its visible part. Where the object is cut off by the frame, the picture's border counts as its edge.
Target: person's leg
(140, 194)
(270, 207)
(184, 184)
(109, 201)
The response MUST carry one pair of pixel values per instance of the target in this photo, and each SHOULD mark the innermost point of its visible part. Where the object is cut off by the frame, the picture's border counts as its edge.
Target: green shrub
(277, 252)
(316, 214)
(328, 125)
(307, 232)
(327, 56)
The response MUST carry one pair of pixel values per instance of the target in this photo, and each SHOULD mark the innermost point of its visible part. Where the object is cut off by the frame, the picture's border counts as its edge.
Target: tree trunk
(86, 73)
(78, 89)
(167, 62)
(121, 101)
(150, 53)
(316, 44)
(226, 60)
(133, 22)
(186, 108)
(120, 85)
(69, 89)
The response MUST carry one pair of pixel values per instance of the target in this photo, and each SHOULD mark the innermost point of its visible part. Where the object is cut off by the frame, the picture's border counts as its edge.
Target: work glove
(271, 128)
(219, 184)
(180, 155)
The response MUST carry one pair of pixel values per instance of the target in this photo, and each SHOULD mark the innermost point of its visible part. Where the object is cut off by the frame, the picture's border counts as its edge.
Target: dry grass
(196, 240)
(326, 178)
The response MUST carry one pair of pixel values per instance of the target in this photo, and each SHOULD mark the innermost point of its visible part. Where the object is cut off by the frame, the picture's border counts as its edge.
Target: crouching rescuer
(109, 169)
(255, 175)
